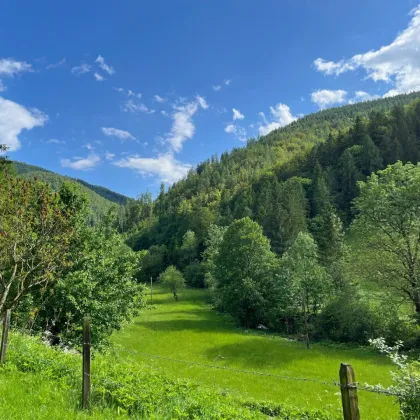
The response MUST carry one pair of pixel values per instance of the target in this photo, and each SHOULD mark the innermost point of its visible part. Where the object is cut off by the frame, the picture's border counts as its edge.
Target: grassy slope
(189, 330)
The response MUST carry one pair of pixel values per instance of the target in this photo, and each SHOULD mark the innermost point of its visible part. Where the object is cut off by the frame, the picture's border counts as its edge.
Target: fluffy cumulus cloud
(183, 127)
(81, 163)
(324, 97)
(98, 77)
(165, 167)
(280, 116)
(237, 115)
(217, 88)
(238, 131)
(100, 61)
(361, 96)
(119, 134)
(14, 118)
(10, 67)
(397, 63)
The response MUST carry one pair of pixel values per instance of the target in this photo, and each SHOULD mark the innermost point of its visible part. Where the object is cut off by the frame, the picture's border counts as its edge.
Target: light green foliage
(37, 228)
(308, 283)
(101, 286)
(245, 267)
(188, 250)
(173, 280)
(406, 379)
(388, 225)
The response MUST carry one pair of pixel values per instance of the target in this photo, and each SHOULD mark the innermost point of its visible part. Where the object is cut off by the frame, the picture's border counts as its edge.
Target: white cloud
(165, 167)
(237, 115)
(159, 99)
(324, 98)
(202, 102)
(239, 132)
(99, 78)
(56, 65)
(109, 155)
(10, 67)
(397, 63)
(164, 113)
(227, 82)
(119, 134)
(14, 118)
(280, 116)
(183, 127)
(230, 128)
(81, 164)
(101, 63)
(361, 96)
(82, 69)
(2, 86)
(55, 141)
(132, 106)
(121, 90)
(216, 88)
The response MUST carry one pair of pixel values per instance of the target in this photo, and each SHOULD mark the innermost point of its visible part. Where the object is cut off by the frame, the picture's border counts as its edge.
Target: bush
(347, 319)
(194, 274)
(406, 379)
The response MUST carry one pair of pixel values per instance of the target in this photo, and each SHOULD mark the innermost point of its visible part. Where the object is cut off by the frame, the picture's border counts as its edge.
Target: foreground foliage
(135, 391)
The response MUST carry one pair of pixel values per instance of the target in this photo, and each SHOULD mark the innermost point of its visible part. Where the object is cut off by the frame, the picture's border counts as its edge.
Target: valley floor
(190, 330)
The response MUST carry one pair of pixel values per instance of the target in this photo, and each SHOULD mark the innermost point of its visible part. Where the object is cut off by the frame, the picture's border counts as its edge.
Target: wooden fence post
(6, 326)
(349, 392)
(86, 363)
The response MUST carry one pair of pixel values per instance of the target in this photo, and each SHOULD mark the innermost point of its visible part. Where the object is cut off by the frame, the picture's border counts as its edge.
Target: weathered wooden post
(151, 290)
(86, 363)
(349, 392)
(6, 326)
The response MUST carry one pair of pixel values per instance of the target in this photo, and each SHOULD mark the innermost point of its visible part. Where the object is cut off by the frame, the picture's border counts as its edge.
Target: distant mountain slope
(101, 198)
(25, 169)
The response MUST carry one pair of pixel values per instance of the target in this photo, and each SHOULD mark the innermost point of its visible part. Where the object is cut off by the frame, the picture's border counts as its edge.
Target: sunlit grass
(190, 330)
(27, 396)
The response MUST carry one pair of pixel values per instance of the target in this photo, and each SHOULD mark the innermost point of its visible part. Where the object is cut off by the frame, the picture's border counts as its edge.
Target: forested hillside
(269, 223)
(101, 199)
(249, 181)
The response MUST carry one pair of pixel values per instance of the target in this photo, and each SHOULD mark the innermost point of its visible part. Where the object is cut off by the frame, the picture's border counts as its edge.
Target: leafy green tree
(173, 280)
(100, 285)
(188, 249)
(245, 267)
(388, 225)
(308, 280)
(37, 228)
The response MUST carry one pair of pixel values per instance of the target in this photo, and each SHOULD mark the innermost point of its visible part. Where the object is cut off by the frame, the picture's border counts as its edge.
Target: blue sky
(132, 93)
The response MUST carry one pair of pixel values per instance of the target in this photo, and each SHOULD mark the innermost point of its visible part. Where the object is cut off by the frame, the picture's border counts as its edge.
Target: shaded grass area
(190, 330)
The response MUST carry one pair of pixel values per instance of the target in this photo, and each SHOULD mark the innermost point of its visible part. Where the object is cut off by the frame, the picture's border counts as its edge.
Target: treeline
(56, 267)
(297, 188)
(101, 199)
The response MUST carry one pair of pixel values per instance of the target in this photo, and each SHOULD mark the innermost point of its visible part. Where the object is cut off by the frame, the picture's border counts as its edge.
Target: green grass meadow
(189, 330)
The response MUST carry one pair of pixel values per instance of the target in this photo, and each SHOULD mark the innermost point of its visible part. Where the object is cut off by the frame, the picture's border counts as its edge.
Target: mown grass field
(190, 330)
